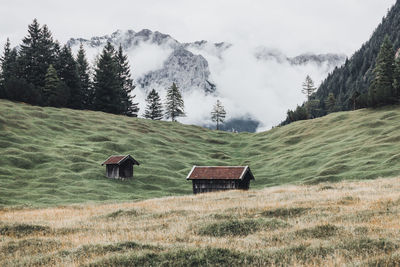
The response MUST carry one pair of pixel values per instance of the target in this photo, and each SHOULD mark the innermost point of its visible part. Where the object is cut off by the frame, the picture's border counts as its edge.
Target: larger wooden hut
(120, 167)
(211, 179)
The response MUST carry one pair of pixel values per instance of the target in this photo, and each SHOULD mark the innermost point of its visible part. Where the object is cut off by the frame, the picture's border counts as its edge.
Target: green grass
(240, 227)
(52, 156)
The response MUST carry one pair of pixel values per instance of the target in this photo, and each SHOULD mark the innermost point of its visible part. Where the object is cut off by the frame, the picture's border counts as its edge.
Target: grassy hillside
(52, 156)
(342, 224)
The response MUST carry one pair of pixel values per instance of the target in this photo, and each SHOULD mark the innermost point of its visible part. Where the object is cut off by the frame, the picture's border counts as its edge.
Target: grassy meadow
(52, 156)
(329, 224)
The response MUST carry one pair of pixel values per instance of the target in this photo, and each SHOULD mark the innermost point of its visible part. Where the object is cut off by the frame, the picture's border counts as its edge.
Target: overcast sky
(294, 26)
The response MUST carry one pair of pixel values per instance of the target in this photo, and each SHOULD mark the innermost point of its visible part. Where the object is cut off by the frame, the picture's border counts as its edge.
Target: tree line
(384, 89)
(42, 72)
(349, 86)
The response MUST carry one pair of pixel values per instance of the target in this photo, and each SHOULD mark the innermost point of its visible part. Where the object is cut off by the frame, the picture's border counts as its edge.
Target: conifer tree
(68, 73)
(13, 86)
(84, 78)
(55, 91)
(174, 105)
(154, 108)
(36, 54)
(396, 77)
(330, 103)
(126, 83)
(218, 114)
(381, 90)
(8, 67)
(308, 87)
(107, 82)
(30, 55)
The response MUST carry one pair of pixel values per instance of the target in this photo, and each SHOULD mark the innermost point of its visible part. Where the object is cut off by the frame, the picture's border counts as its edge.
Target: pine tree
(381, 90)
(218, 114)
(126, 83)
(68, 73)
(8, 66)
(174, 104)
(354, 97)
(55, 91)
(107, 82)
(36, 54)
(13, 86)
(154, 109)
(84, 78)
(30, 56)
(308, 87)
(330, 103)
(396, 77)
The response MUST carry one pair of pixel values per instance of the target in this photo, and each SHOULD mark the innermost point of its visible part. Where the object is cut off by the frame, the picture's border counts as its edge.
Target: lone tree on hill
(154, 108)
(174, 104)
(218, 114)
(381, 90)
(308, 87)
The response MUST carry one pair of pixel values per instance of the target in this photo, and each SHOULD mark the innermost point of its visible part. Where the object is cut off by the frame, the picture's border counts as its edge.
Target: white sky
(291, 26)
(294, 26)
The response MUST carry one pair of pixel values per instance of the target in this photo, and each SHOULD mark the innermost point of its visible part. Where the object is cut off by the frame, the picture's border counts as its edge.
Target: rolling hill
(52, 156)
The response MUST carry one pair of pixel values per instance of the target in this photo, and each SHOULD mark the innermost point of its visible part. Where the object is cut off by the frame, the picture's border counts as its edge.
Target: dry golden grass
(330, 224)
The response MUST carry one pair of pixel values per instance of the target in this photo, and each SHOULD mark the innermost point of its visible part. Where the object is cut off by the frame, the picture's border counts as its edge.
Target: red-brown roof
(219, 173)
(119, 159)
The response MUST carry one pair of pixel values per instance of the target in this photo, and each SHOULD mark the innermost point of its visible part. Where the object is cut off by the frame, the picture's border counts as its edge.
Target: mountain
(186, 69)
(207, 71)
(329, 60)
(52, 156)
(357, 72)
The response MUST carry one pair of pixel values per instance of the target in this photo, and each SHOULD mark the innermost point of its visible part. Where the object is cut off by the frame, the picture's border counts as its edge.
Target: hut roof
(219, 173)
(118, 159)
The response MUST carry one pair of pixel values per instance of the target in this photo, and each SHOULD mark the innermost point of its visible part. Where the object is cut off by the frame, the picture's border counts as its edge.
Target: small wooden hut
(120, 167)
(211, 179)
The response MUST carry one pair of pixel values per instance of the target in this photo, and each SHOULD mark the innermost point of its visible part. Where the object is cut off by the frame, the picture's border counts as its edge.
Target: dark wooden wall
(123, 171)
(126, 170)
(112, 171)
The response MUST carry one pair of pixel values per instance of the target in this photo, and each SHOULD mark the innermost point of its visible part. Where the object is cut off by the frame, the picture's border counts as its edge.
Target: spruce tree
(308, 87)
(8, 67)
(330, 103)
(126, 83)
(174, 103)
(68, 73)
(107, 82)
(84, 78)
(381, 91)
(154, 109)
(396, 77)
(29, 56)
(218, 114)
(36, 54)
(55, 91)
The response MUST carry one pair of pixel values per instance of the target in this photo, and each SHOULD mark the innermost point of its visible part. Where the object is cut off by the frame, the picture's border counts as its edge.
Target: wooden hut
(120, 167)
(211, 179)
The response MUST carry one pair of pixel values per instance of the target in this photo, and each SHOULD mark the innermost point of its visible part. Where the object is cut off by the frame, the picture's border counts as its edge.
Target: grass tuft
(239, 227)
(21, 230)
(285, 212)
